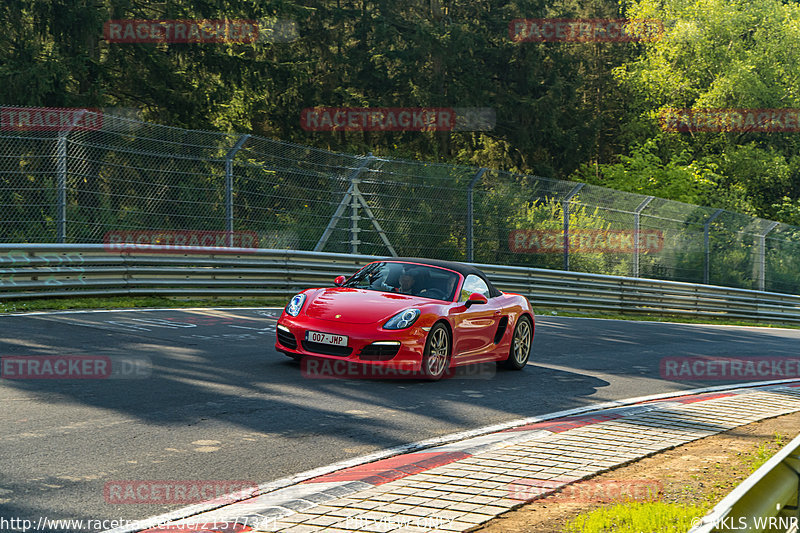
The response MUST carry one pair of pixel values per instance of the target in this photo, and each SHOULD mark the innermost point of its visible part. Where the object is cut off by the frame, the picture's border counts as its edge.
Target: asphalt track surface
(212, 400)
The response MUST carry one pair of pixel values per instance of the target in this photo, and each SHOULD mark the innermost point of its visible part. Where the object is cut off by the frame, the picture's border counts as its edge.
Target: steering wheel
(434, 293)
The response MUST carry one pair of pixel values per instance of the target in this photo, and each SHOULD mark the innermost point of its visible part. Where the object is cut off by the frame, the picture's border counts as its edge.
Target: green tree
(715, 54)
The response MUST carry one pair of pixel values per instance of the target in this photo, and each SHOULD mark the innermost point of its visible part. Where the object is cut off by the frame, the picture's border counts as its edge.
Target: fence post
(565, 208)
(229, 185)
(762, 257)
(636, 214)
(61, 193)
(61, 179)
(470, 215)
(354, 218)
(707, 246)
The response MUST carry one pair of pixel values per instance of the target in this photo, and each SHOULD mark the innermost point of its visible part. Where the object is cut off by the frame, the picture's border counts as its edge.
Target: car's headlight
(295, 304)
(403, 319)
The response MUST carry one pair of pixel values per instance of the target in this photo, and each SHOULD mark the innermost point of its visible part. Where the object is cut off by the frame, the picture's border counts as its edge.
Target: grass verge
(124, 302)
(541, 312)
(636, 517)
(676, 516)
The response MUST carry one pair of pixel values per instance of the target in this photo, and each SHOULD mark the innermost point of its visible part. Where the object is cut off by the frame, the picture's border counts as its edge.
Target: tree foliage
(717, 54)
(581, 110)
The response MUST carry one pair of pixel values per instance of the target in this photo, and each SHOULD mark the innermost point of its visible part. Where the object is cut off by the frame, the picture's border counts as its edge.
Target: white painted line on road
(79, 311)
(542, 318)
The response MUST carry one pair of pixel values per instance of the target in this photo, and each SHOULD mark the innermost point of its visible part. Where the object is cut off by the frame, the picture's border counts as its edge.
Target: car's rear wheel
(520, 345)
(436, 358)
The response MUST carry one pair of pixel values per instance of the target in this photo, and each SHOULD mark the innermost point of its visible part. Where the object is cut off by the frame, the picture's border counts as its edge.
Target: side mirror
(339, 281)
(476, 298)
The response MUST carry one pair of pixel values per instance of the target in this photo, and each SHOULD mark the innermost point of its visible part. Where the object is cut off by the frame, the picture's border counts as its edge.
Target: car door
(474, 326)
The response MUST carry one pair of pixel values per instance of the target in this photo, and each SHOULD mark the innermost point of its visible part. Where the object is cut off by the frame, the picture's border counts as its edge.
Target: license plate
(326, 338)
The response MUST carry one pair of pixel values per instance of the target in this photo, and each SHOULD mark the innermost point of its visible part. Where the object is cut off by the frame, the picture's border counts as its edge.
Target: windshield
(406, 278)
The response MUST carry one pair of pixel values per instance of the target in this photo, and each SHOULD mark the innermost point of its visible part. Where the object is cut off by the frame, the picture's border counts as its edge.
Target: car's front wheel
(520, 345)
(436, 358)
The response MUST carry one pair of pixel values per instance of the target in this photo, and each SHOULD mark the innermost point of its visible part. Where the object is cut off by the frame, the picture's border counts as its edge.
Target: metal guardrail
(55, 270)
(83, 184)
(765, 501)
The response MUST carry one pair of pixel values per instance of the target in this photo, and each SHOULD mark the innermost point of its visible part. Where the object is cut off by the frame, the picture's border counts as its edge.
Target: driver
(408, 280)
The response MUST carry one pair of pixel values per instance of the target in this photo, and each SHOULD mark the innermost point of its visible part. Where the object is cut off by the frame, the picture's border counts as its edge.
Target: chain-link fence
(79, 180)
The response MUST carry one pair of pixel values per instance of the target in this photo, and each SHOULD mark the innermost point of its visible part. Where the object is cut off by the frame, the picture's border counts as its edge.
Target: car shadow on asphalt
(221, 381)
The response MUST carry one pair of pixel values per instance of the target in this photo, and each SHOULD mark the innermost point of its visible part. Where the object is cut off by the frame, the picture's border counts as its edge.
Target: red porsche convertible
(426, 315)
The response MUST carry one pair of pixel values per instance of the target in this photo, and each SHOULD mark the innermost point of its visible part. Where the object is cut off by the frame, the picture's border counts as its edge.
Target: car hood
(357, 306)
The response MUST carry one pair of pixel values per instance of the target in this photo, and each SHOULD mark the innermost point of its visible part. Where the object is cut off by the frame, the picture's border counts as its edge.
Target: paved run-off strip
(458, 486)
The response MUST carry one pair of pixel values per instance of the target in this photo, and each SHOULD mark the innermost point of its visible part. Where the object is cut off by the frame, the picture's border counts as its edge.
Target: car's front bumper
(367, 343)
